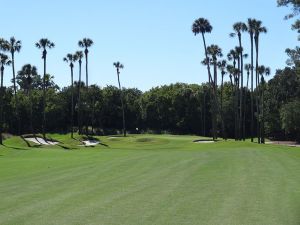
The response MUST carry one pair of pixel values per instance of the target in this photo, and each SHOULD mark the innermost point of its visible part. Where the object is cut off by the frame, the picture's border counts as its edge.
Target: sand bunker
(286, 143)
(90, 143)
(41, 141)
(203, 142)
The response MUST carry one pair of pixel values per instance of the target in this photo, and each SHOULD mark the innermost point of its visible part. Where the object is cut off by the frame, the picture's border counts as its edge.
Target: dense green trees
(27, 75)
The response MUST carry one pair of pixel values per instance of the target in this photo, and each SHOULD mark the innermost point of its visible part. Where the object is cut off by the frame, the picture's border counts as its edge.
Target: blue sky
(153, 39)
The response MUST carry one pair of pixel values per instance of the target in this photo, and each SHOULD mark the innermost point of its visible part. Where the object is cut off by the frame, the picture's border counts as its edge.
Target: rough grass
(168, 180)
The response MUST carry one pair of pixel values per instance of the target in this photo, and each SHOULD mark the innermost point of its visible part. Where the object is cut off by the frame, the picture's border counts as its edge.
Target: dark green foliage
(290, 117)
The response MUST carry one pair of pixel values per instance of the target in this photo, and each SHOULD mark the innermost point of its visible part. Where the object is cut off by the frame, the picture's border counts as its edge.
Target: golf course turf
(149, 179)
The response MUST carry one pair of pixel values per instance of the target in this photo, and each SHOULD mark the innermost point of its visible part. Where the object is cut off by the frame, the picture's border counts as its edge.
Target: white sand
(286, 143)
(41, 141)
(204, 142)
(90, 143)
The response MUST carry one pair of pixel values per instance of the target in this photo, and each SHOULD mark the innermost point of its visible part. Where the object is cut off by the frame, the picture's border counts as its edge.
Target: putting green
(149, 179)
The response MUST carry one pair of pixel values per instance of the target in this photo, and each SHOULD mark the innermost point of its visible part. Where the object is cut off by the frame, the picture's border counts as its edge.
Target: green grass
(149, 179)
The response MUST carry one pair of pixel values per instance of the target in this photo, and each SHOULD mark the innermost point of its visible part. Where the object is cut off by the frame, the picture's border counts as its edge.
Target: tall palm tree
(14, 46)
(247, 67)
(258, 29)
(238, 28)
(202, 26)
(215, 52)
(222, 66)
(43, 44)
(5, 61)
(119, 66)
(86, 43)
(234, 56)
(251, 25)
(71, 59)
(29, 72)
(79, 56)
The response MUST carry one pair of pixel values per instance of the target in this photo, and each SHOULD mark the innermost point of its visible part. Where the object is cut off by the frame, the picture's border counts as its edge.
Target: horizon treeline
(176, 108)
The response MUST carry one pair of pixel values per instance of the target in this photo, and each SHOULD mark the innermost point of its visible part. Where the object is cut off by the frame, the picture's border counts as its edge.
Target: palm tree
(79, 56)
(14, 46)
(29, 72)
(214, 51)
(71, 59)
(258, 29)
(43, 44)
(229, 69)
(5, 61)
(251, 25)
(222, 66)
(86, 43)
(119, 66)
(238, 29)
(247, 67)
(234, 56)
(202, 26)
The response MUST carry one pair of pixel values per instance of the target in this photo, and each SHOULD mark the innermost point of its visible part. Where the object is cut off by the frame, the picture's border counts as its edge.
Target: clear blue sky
(152, 38)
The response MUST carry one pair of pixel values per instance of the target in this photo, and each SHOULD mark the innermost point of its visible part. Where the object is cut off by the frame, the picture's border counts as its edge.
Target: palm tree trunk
(30, 97)
(236, 110)
(123, 113)
(257, 91)
(224, 136)
(262, 116)
(251, 96)
(87, 88)
(72, 103)
(241, 91)
(86, 70)
(1, 105)
(44, 97)
(237, 101)
(215, 123)
(93, 114)
(206, 57)
(15, 92)
(204, 114)
(79, 101)
(244, 113)
(211, 82)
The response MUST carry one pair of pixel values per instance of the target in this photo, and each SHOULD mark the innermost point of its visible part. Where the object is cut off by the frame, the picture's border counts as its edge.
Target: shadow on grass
(23, 149)
(105, 145)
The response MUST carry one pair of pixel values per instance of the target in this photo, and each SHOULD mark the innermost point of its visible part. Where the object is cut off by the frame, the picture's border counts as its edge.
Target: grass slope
(149, 179)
